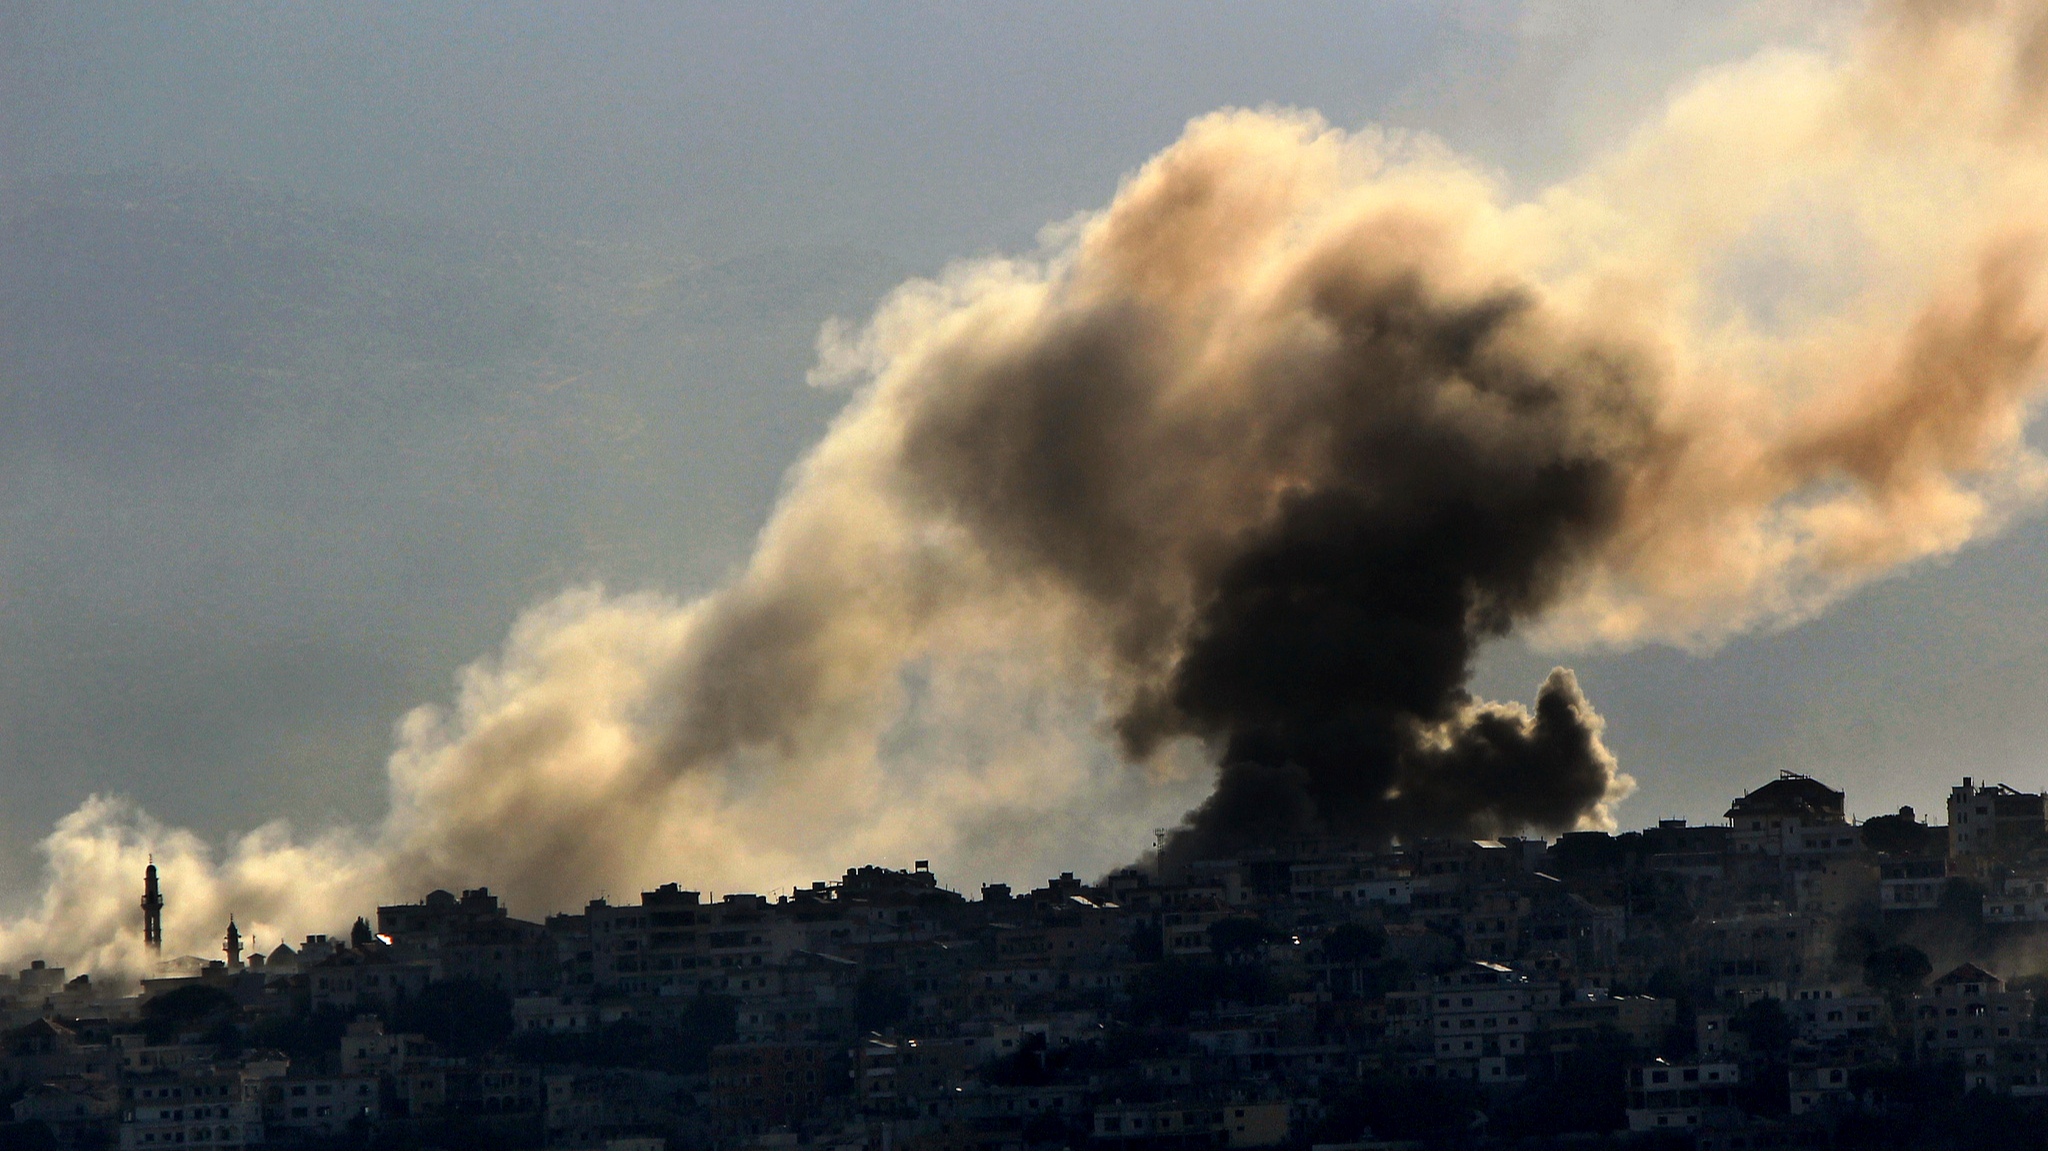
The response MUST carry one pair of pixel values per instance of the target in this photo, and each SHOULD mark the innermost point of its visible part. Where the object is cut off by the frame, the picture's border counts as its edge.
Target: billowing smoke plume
(1293, 459)
(1245, 468)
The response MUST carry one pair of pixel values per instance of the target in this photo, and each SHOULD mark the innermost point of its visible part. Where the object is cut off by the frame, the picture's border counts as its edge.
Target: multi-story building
(1184, 932)
(1831, 885)
(1643, 1020)
(1698, 855)
(1813, 1087)
(368, 1050)
(759, 1087)
(362, 979)
(1665, 1097)
(45, 1049)
(1824, 1014)
(2020, 899)
(1967, 1016)
(1993, 821)
(318, 1107)
(134, 1054)
(1193, 1124)
(619, 1108)
(1491, 926)
(472, 938)
(446, 1087)
(195, 1106)
(1759, 955)
(77, 1111)
(1909, 884)
(1793, 815)
(1480, 1018)
(1716, 1038)
(673, 944)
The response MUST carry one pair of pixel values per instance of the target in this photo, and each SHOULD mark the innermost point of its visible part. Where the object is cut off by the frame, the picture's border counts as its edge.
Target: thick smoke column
(1244, 469)
(1301, 419)
(1297, 488)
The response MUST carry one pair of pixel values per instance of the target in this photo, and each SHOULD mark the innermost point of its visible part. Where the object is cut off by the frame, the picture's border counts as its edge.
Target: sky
(332, 337)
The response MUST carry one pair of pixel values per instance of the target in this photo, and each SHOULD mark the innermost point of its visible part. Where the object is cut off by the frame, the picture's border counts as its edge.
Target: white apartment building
(1792, 816)
(2019, 900)
(1967, 1015)
(1911, 884)
(1679, 1097)
(1815, 1088)
(1989, 819)
(1822, 1014)
(1480, 1019)
(1394, 891)
(195, 1106)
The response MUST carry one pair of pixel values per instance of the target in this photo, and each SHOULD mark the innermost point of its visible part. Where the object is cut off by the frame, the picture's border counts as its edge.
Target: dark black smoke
(1493, 770)
(1330, 659)
(1337, 551)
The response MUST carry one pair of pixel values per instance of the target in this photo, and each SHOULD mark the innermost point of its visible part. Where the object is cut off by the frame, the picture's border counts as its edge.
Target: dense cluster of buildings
(1785, 977)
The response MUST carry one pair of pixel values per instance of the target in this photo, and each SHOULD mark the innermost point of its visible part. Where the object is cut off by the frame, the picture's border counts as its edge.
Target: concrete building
(358, 980)
(1816, 1087)
(194, 1106)
(758, 1087)
(1824, 1015)
(471, 938)
(1481, 1016)
(1967, 1016)
(1193, 1124)
(1911, 883)
(1789, 815)
(77, 1110)
(368, 1050)
(1665, 1097)
(2020, 899)
(1993, 822)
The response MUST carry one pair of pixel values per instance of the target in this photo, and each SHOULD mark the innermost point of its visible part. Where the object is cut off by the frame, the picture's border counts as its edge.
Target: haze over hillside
(307, 449)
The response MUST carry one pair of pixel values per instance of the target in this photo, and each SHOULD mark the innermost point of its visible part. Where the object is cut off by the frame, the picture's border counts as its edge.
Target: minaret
(234, 944)
(152, 910)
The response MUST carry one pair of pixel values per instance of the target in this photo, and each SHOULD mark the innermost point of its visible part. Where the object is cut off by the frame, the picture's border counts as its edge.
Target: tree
(709, 1021)
(1239, 939)
(306, 1039)
(27, 1134)
(1167, 993)
(192, 1008)
(1962, 901)
(1897, 969)
(190, 1004)
(1354, 943)
(1768, 1028)
(467, 1017)
(1900, 835)
(1148, 941)
(880, 1002)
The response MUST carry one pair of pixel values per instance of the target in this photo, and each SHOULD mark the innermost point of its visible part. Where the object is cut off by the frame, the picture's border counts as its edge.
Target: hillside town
(1785, 978)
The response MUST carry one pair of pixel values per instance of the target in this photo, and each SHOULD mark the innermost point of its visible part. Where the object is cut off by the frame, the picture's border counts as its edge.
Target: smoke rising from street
(1242, 471)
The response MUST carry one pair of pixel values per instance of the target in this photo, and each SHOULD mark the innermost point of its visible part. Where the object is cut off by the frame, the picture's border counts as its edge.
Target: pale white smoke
(1815, 276)
(541, 779)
